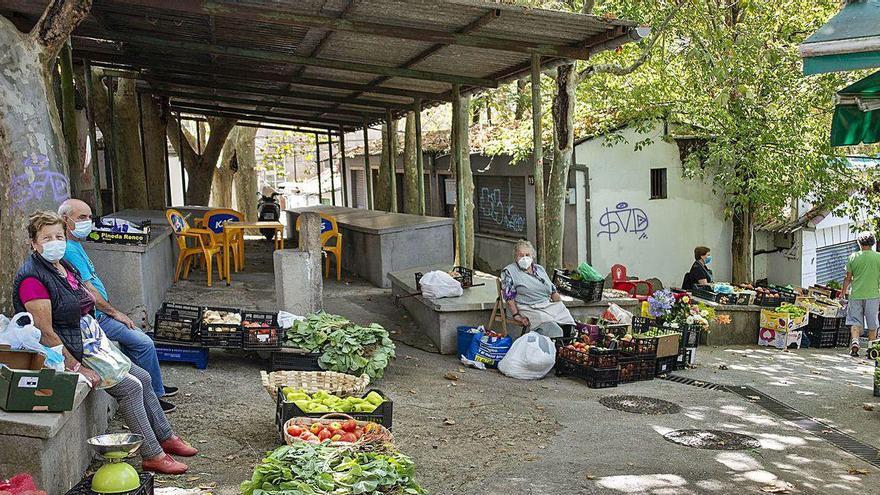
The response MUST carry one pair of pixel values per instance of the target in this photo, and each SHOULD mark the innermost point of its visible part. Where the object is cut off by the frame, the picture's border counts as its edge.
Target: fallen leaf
(868, 407)
(778, 487)
(722, 366)
(451, 376)
(461, 370)
(448, 422)
(590, 477)
(753, 397)
(412, 391)
(862, 472)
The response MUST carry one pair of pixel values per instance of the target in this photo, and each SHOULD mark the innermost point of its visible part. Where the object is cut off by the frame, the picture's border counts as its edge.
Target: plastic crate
(638, 347)
(221, 335)
(734, 299)
(606, 378)
(819, 322)
(176, 322)
(775, 300)
(264, 337)
(844, 337)
(822, 338)
(688, 357)
(635, 369)
(665, 365)
(465, 277)
(581, 289)
(286, 410)
(690, 335)
(294, 360)
(175, 353)
(84, 487)
(598, 358)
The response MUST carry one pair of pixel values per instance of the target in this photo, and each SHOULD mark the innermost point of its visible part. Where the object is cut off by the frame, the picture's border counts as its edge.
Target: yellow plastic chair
(329, 232)
(205, 246)
(214, 220)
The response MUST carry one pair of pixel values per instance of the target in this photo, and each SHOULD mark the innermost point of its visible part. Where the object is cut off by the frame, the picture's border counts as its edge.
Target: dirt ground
(488, 434)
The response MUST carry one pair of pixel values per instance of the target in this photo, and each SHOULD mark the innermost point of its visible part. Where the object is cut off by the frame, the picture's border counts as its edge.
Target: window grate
(658, 183)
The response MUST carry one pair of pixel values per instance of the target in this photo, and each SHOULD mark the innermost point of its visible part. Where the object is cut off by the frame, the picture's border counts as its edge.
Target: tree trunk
(741, 245)
(69, 120)
(32, 152)
(392, 163)
(154, 151)
(557, 189)
(522, 98)
(200, 168)
(382, 192)
(221, 187)
(467, 180)
(410, 174)
(246, 176)
(131, 179)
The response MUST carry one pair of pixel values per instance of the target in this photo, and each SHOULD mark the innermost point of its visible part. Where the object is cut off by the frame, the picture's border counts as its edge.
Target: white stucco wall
(663, 248)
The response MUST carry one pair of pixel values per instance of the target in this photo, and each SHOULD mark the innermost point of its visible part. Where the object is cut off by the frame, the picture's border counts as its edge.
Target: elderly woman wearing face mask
(63, 310)
(530, 294)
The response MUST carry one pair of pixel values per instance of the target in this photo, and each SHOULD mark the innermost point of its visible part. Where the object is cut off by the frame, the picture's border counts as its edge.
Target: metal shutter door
(831, 261)
(501, 205)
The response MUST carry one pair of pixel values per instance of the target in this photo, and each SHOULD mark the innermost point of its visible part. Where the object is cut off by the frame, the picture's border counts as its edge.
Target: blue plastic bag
(488, 349)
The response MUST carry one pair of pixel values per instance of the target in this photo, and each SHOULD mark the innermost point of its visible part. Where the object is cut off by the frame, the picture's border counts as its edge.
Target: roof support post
(96, 175)
(344, 167)
(113, 167)
(318, 162)
(166, 113)
(457, 159)
(181, 142)
(332, 172)
(538, 157)
(68, 119)
(392, 160)
(420, 161)
(368, 172)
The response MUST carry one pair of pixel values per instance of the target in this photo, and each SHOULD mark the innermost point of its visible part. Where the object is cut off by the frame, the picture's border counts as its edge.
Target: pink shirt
(32, 289)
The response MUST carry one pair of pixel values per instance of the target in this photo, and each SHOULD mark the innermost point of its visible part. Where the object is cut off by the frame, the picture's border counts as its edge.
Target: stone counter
(742, 329)
(439, 319)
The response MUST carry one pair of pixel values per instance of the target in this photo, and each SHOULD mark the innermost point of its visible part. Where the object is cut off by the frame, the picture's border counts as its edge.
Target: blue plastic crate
(183, 354)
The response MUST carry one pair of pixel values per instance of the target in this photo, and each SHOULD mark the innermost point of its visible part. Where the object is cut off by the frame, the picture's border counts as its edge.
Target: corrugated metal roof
(301, 51)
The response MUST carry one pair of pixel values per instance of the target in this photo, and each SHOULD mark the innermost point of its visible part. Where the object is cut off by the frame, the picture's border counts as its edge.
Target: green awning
(857, 115)
(849, 41)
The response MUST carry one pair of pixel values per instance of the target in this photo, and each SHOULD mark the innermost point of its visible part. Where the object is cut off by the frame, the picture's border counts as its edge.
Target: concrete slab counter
(376, 243)
(439, 319)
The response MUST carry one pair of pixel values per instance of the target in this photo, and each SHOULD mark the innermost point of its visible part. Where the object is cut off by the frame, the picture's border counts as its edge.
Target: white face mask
(525, 262)
(82, 229)
(53, 251)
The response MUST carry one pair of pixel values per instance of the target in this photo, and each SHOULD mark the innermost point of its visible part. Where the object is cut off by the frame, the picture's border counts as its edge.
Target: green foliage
(278, 146)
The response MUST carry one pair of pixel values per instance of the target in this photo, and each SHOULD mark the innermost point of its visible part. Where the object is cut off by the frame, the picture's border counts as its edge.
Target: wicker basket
(381, 435)
(312, 381)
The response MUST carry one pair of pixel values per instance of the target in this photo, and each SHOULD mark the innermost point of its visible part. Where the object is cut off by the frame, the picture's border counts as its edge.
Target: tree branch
(617, 70)
(220, 129)
(59, 19)
(588, 6)
(185, 149)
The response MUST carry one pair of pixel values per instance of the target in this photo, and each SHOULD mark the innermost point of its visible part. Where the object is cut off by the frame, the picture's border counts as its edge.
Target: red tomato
(324, 435)
(349, 437)
(294, 431)
(316, 428)
(349, 426)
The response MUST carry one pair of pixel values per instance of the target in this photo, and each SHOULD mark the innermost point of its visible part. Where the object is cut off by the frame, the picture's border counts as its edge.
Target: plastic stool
(197, 356)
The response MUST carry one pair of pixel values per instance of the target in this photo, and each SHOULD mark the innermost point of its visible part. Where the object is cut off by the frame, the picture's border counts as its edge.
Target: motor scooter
(268, 210)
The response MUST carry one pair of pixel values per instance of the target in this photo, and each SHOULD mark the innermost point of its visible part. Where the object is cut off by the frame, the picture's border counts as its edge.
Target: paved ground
(546, 437)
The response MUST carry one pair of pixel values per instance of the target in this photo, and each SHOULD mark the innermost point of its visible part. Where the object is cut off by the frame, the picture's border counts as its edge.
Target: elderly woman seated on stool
(531, 296)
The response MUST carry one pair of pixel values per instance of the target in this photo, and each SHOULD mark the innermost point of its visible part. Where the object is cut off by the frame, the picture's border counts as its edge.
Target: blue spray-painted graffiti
(622, 219)
(492, 206)
(32, 185)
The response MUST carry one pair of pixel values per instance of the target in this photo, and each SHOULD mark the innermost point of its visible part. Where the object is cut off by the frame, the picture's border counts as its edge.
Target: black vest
(66, 312)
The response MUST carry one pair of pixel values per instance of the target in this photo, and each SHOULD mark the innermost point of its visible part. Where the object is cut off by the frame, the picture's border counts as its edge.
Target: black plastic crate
(844, 337)
(665, 365)
(221, 335)
(465, 277)
(690, 335)
(581, 289)
(267, 336)
(176, 322)
(607, 378)
(635, 369)
(734, 299)
(645, 347)
(598, 358)
(84, 487)
(382, 415)
(819, 322)
(294, 360)
(822, 338)
(683, 360)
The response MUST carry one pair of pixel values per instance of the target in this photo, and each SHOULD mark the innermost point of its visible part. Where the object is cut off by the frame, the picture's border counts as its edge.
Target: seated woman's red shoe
(176, 446)
(164, 464)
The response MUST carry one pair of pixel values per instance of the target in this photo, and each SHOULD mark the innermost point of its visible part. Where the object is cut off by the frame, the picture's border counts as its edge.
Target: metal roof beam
(274, 56)
(257, 118)
(299, 119)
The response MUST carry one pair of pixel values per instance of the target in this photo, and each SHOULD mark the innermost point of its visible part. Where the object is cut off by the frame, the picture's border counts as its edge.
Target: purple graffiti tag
(623, 218)
(35, 182)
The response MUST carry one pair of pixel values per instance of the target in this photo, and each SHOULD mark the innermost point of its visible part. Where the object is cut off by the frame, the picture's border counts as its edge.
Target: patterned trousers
(141, 410)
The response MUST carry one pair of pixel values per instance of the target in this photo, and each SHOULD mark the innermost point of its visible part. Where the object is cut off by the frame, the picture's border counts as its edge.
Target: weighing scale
(116, 475)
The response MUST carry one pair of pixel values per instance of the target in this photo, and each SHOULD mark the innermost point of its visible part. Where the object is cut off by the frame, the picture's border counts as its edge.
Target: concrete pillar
(298, 284)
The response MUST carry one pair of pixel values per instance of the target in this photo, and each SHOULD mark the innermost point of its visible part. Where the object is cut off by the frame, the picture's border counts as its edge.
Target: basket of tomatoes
(335, 428)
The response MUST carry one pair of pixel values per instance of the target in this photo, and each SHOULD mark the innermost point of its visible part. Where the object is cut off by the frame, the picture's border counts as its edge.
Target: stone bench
(440, 319)
(52, 446)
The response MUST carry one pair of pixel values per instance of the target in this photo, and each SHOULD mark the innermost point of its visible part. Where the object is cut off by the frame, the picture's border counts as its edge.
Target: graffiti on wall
(37, 183)
(492, 206)
(623, 219)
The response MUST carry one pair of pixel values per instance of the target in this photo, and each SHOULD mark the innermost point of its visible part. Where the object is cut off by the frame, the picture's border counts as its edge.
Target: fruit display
(322, 469)
(173, 330)
(323, 402)
(216, 317)
(256, 324)
(346, 431)
(792, 310)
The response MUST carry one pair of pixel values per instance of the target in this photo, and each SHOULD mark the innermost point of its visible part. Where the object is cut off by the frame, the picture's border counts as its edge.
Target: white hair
(523, 245)
(65, 209)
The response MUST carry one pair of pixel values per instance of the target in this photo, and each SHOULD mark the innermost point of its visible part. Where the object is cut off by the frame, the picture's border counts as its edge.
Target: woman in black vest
(700, 273)
(51, 290)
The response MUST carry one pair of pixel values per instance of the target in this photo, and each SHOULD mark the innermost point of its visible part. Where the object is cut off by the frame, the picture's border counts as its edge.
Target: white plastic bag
(530, 357)
(285, 319)
(617, 314)
(439, 284)
(20, 333)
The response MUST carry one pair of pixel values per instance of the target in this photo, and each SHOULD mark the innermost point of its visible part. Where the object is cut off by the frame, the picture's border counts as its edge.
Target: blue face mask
(53, 251)
(708, 259)
(82, 229)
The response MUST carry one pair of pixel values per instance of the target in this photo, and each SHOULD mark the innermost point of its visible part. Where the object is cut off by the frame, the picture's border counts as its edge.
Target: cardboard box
(668, 345)
(26, 386)
(782, 321)
(780, 339)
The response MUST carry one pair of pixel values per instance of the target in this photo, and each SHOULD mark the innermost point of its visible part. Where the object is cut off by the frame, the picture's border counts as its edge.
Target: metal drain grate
(690, 381)
(838, 438)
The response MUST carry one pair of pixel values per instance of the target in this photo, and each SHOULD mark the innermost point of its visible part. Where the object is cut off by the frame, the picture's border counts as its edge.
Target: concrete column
(299, 286)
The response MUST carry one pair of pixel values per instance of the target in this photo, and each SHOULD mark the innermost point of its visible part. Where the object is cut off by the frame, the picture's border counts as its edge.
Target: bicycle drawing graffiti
(624, 219)
(492, 207)
(37, 180)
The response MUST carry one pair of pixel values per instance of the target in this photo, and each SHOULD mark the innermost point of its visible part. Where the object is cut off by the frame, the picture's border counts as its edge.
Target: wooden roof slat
(272, 103)
(213, 112)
